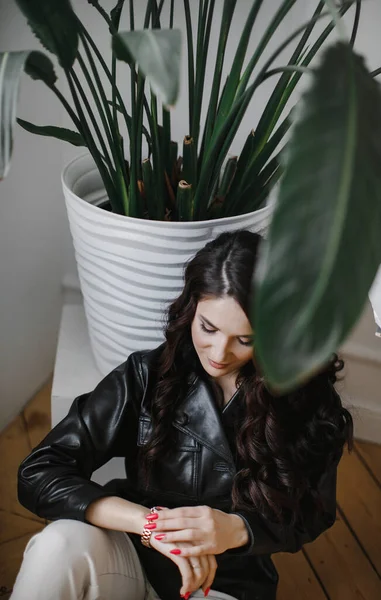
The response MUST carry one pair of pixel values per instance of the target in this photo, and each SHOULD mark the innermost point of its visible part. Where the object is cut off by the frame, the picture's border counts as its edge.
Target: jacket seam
(201, 441)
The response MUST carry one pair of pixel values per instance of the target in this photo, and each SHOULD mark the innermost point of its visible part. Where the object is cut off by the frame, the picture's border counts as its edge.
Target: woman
(238, 473)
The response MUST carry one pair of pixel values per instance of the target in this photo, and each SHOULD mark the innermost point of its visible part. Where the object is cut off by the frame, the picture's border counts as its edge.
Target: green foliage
(153, 56)
(60, 133)
(11, 68)
(157, 54)
(40, 67)
(323, 246)
(55, 25)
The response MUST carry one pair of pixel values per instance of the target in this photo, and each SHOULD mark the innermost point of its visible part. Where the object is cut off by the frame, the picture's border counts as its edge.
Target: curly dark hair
(284, 443)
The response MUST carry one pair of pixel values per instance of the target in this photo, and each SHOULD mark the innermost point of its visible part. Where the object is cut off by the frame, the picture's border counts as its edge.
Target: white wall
(35, 244)
(32, 220)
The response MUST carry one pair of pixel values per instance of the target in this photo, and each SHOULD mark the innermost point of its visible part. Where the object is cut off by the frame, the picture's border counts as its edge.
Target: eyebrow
(250, 335)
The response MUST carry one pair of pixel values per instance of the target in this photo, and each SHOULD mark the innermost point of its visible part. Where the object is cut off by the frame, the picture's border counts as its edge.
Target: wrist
(113, 512)
(240, 535)
(140, 520)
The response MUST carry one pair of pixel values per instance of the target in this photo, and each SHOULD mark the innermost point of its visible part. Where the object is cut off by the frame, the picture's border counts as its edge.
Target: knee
(61, 539)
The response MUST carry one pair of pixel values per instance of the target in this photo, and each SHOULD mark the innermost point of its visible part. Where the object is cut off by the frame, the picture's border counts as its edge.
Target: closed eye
(207, 330)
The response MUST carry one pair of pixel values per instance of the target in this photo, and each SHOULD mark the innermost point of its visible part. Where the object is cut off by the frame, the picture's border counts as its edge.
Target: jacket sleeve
(54, 480)
(268, 537)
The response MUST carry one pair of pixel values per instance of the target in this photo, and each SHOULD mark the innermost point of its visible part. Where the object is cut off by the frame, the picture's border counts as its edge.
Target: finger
(211, 572)
(187, 576)
(182, 535)
(193, 550)
(181, 512)
(200, 566)
(186, 571)
(204, 569)
(176, 524)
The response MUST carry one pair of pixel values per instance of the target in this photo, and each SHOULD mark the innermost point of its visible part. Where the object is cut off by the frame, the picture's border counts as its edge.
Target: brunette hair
(284, 443)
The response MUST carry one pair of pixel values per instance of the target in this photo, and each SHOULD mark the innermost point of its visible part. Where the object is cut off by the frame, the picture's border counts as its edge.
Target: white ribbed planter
(129, 268)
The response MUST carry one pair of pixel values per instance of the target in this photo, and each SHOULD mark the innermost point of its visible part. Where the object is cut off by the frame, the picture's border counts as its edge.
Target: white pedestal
(75, 373)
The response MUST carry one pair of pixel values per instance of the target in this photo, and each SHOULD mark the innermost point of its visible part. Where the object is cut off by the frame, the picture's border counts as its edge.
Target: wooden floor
(344, 563)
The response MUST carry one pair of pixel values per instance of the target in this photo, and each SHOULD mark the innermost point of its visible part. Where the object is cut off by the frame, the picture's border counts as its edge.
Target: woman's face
(222, 336)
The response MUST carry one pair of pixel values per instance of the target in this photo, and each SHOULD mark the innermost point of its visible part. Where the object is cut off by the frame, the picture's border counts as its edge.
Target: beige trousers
(71, 560)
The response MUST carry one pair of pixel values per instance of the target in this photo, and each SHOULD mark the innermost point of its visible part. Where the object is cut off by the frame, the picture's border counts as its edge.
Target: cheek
(199, 338)
(245, 354)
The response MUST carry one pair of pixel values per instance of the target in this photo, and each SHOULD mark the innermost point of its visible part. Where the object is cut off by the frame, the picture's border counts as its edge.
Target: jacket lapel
(199, 417)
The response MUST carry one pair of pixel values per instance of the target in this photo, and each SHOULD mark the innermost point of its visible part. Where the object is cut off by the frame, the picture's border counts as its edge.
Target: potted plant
(139, 206)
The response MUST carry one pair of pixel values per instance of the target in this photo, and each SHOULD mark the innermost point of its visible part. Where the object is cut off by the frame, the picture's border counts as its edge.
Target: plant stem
(92, 117)
(103, 13)
(158, 167)
(107, 180)
(166, 142)
(191, 82)
(109, 76)
(203, 38)
(286, 68)
(262, 45)
(233, 79)
(226, 19)
(139, 125)
(113, 75)
(376, 72)
(101, 110)
(113, 92)
(217, 152)
(67, 106)
(337, 20)
(111, 128)
(287, 82)
(356, 23)
(132, 15)
(133, 171)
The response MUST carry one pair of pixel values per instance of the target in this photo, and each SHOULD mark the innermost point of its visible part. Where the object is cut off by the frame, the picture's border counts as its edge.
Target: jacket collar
(199, 417)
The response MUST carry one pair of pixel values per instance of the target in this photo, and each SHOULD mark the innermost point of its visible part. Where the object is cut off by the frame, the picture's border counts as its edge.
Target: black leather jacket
(113, 420)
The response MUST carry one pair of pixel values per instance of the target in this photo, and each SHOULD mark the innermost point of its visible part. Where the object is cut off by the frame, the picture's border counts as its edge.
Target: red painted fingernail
(152, 517)
(150, 526)
(206, 592)
(175, 551)
(159, 537)
(187, 595)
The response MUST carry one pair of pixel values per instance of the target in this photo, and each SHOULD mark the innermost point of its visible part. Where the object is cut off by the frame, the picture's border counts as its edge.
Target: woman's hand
(209, 530)
(196, 572)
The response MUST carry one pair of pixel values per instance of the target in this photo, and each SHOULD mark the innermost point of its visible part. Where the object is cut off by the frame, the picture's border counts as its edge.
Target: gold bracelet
(146, 535)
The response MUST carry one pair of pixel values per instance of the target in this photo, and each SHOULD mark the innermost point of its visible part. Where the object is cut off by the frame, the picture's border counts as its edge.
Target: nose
(220, 350)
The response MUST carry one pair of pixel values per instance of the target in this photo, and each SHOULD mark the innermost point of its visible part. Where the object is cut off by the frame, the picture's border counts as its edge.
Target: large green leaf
(60, 133)
(11, 68)
(324, 243)
(157, 53)
(55, 24)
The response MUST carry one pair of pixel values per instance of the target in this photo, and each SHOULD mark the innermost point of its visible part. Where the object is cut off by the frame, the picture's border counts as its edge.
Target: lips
(217, 365)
